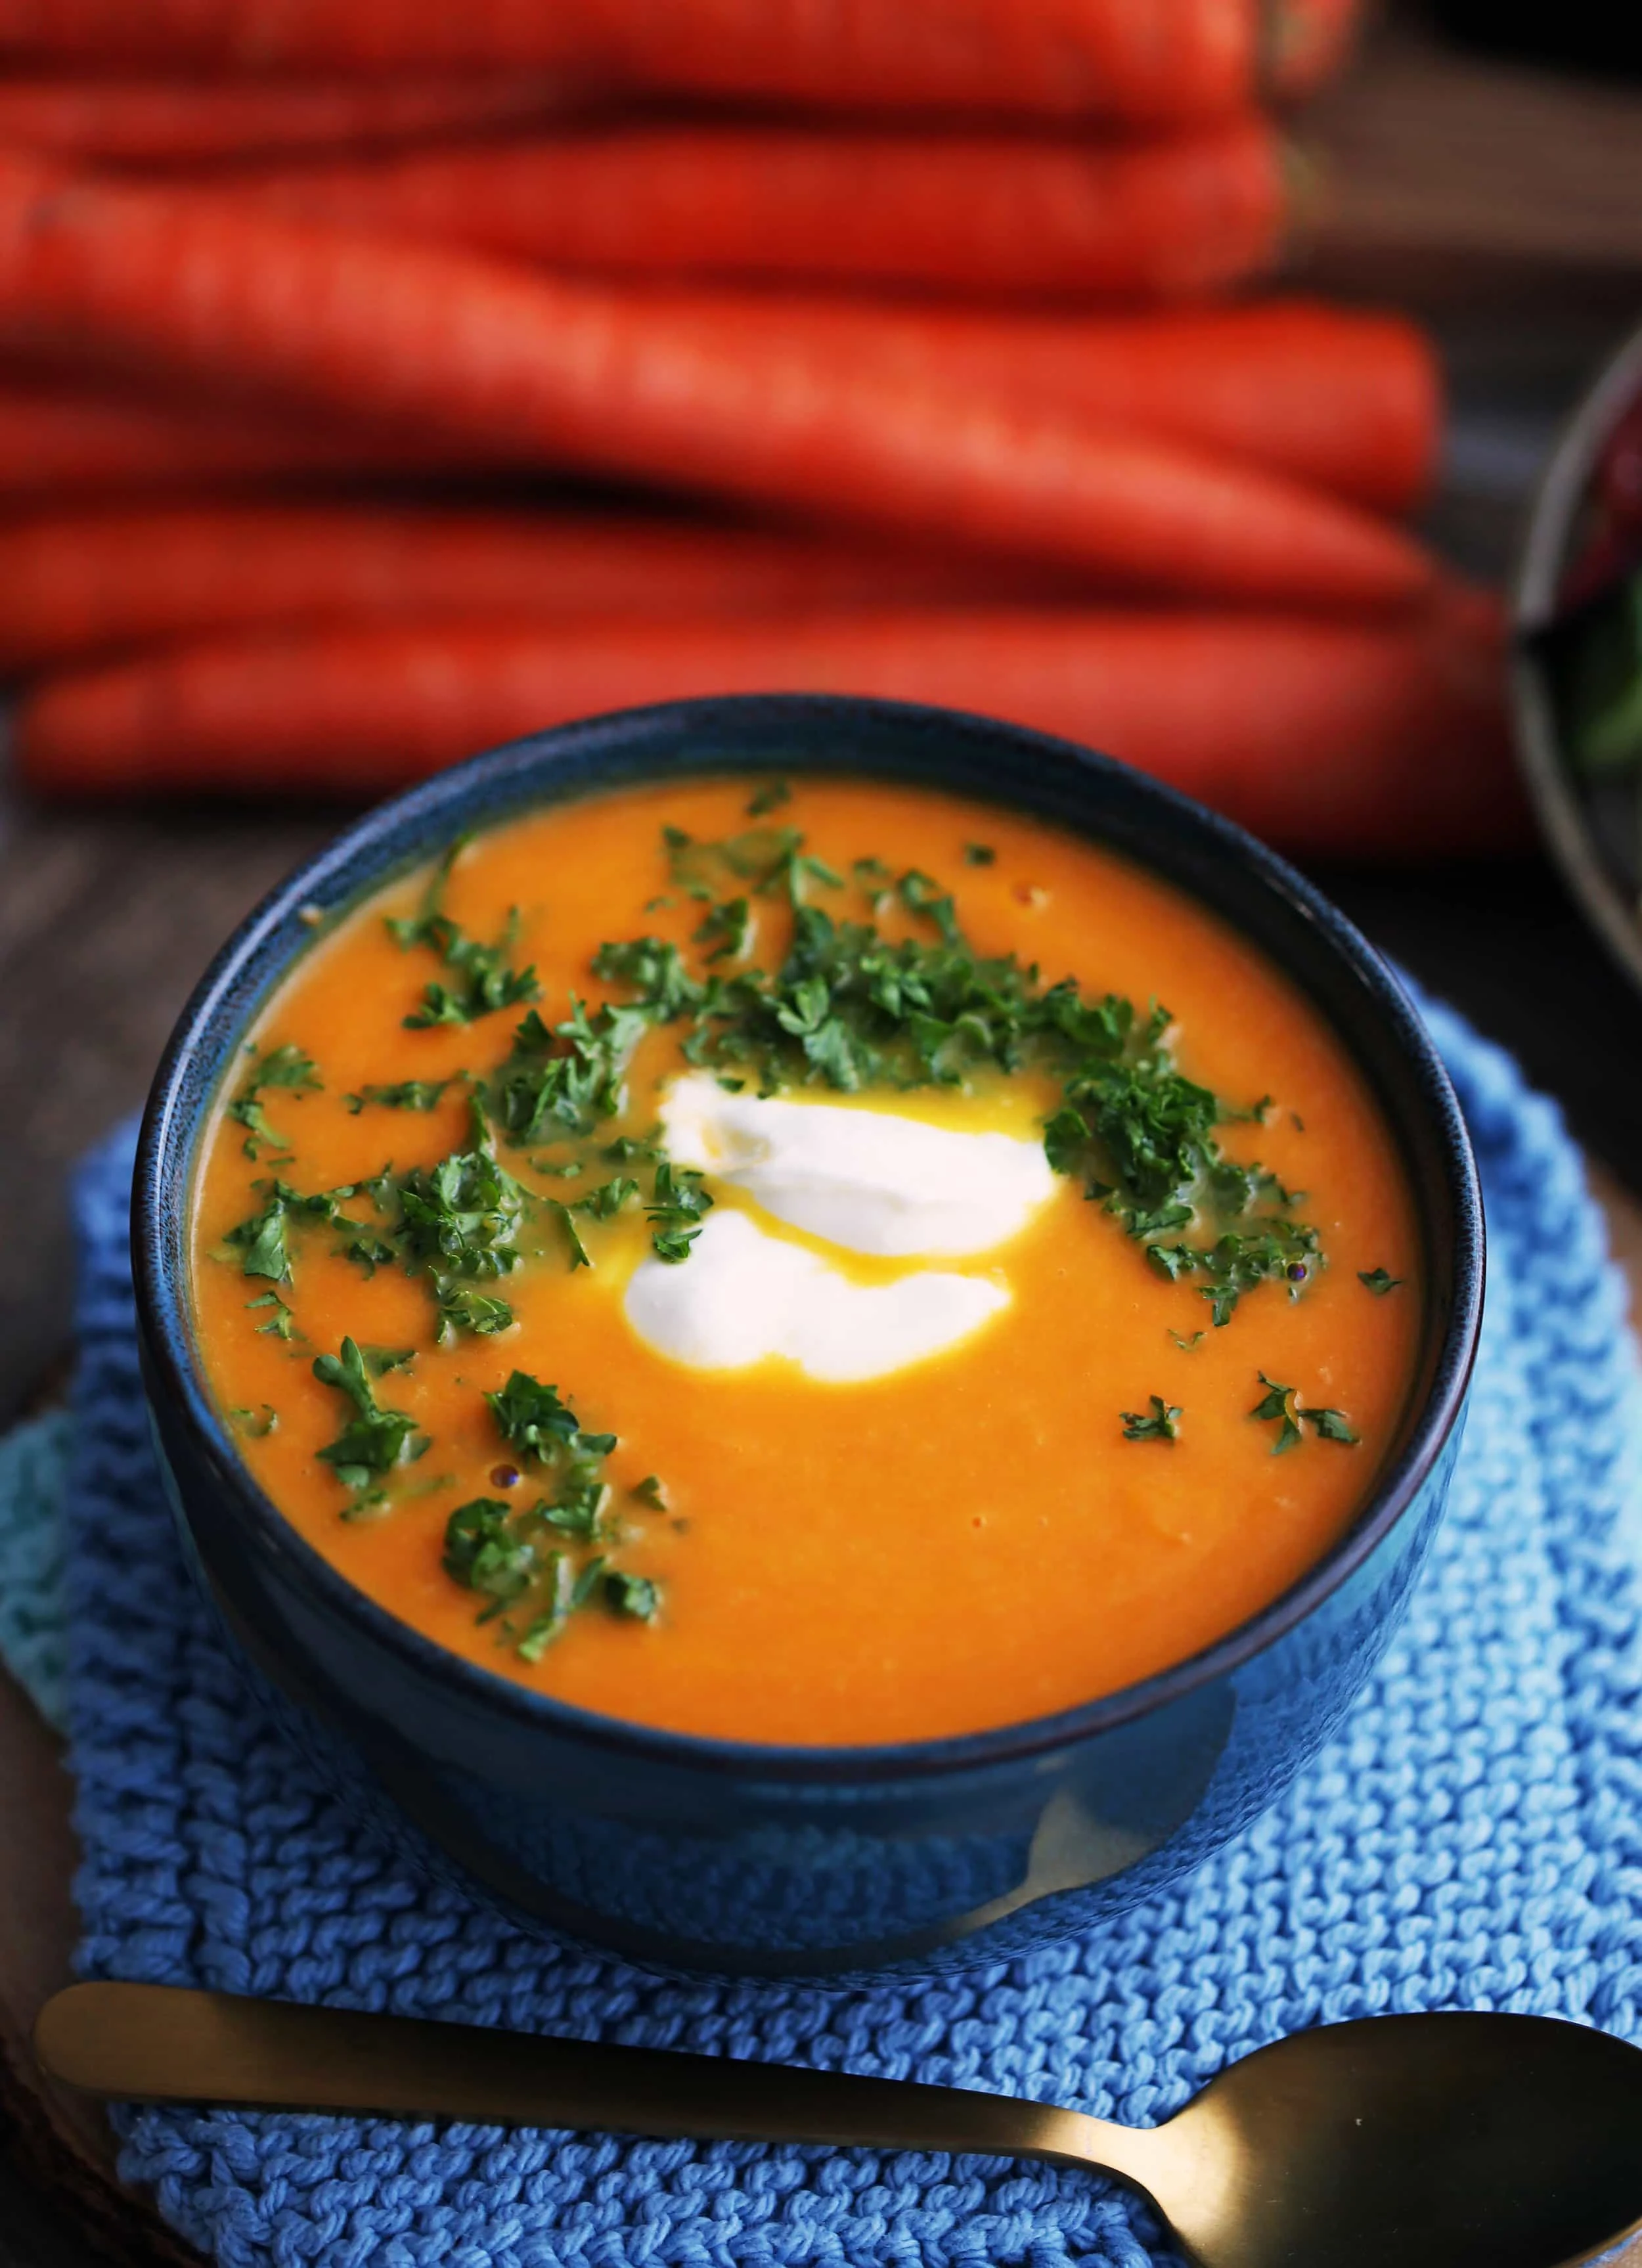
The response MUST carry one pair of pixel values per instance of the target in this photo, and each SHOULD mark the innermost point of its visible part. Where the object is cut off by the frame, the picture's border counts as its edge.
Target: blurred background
(374, 397)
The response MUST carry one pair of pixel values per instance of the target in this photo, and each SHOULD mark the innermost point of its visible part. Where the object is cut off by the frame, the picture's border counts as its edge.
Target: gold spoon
(1446, 2141)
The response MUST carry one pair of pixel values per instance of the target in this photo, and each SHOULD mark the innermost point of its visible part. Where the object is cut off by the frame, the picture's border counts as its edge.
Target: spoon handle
(159, 2043)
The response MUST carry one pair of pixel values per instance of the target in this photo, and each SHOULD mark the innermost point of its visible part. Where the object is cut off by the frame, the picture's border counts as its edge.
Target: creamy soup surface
(822, 1264)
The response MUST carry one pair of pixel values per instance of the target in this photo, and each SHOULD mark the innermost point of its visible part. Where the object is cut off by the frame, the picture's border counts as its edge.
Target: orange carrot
(77, 584)
(1349, 400)
(1142, 60)
(1352, 739)
(983, 213)
(573, 374)
(75, 438)
(179, 121)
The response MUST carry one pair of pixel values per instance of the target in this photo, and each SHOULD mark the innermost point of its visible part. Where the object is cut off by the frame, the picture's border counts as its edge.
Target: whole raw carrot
(573, 374)
(63, 438)
(1344, 740)
(175, 121)
(978, 212)
(77, 584)
(1145, 60)
(1350, 400)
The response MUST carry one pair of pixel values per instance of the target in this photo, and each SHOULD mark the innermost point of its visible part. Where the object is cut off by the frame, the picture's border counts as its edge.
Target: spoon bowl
(1435, 2141)
(1513, 2140)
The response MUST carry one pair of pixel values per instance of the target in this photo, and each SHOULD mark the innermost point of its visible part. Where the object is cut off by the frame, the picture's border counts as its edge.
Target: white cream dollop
(870, 1179)
(866, 1180)
(743, 1296)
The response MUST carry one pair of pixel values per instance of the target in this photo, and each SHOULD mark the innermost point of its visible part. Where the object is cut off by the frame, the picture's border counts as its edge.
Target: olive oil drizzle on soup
(822, 1264)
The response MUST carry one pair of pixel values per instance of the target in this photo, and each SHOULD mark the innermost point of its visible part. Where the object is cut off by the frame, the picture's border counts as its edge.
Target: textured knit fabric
(1470, 1839)
(34, 1468)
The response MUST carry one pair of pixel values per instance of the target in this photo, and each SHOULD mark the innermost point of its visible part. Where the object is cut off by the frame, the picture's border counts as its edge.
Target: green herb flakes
(1379, 1281)
(979, 854)
(605, 1202)
(402, 1094)
(1329, 1426)
(379, 1360)
(286, 1066)
(566, 1220)
(528, 1557)
(256, 1424)
(374, 1439)
(728, 930)
(534, 1422)
(1282, 1405)
(484, 980)
(634, 1595)
(1160, 1422)
(770, 798)
(678, 1202)
(282, 1323)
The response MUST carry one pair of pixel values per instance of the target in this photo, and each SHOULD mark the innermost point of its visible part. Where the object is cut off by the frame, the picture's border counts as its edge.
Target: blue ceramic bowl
(728, 1856)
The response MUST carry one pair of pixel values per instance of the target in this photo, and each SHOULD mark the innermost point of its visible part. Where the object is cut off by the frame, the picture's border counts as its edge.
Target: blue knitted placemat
(1473, 1838)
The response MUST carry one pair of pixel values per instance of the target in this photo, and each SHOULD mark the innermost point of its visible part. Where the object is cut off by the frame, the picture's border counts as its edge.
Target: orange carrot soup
(824, 1264)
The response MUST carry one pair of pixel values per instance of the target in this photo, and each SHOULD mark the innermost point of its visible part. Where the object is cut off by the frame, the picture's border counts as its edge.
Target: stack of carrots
(382, 378)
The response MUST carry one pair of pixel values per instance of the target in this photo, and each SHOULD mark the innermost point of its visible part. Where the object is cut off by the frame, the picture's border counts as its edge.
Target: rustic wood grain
(107, 920)
(1507, 176)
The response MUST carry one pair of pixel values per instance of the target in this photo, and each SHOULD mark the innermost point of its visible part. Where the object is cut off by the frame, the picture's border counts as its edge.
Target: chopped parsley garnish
(728, 930)
(572, 1237)
(258, 1427)
(1283, 1405)
(1278, 1403)
(458, 1225)
(605, 1202)
(632, 1595)
(373, 1440)
(264, 1239)
(379, 1360)
(1379, 1280)
(1187, 1341)
(286, 1066)
(526, 1557)
(1159, 1423)
(402, 1094)
(771, 861)
(649, 1491)
(461, 1308)
(534, 1422)
(678, 1201)
(979, 854)
(484, 1550)
(484, 978)
(1331, 1425)
(282, 1324)
(770, 798)
(566, 1080)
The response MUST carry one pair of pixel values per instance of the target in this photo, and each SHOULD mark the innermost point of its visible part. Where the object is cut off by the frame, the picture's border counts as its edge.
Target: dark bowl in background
(722, 1856)
(1570, 815)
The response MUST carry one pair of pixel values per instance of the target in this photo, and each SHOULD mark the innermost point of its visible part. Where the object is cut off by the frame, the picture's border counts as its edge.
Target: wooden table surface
(1506, 207)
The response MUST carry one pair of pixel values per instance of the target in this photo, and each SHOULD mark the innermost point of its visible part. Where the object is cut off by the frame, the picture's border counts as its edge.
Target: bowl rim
(165, 1149)
(1557, 496)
